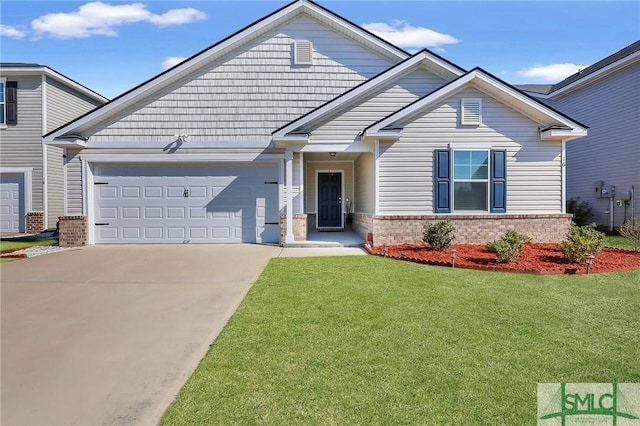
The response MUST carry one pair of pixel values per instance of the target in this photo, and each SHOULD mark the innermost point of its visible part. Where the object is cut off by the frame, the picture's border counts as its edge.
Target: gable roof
(20, 68)
(558, 125)
(425, 57)
(243, 36)
(612, 62)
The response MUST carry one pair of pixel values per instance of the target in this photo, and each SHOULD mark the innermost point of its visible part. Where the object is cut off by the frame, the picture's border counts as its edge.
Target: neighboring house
(34, 99)
(605, 95)
(269, 134)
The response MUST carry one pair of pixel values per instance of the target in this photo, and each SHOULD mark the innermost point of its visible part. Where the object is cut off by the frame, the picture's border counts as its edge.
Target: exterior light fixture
(589, 261)
(332, 154)
(453, 257)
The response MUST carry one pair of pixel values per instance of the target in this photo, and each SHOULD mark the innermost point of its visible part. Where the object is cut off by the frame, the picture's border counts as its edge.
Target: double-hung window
(470, 181)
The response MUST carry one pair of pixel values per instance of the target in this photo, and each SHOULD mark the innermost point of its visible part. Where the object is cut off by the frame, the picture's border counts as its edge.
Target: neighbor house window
(8, 102)
(470, 181)
(3, 108)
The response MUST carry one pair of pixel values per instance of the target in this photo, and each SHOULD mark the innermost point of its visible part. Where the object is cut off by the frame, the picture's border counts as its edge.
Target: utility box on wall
(598, 187)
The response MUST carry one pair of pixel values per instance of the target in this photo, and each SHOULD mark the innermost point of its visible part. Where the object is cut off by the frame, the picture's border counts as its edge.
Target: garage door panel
(152, 192)
(178, 203)
(153, 212)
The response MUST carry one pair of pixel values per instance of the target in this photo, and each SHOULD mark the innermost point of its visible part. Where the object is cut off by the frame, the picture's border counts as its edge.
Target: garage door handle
(271, 183)
(185, 194)
(101, 183)
(101, 224)
(272, 223)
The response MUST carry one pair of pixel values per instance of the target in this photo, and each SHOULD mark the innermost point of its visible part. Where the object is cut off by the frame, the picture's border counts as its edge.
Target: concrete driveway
(107, 335)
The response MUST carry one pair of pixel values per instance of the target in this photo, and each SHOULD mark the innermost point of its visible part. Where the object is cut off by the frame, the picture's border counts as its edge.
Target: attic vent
(471, 111)
(302, 52)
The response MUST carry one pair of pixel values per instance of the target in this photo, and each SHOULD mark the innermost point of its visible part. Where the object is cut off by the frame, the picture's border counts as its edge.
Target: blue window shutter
(442, 181)
(498, 181)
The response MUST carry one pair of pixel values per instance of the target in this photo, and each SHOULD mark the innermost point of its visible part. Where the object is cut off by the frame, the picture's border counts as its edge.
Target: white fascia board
(174, 144)
(383, 135)
(66, 143)
(180, 158)
(627, 60)
(48, 72)
(284, 141)
(355, 93)
(335, 147)
(562, 134)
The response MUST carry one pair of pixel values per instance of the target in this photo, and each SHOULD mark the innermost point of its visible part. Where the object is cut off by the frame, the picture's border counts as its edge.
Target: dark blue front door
(329, 200)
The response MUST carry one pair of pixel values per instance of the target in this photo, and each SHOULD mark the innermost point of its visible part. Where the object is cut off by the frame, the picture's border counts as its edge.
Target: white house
(34, 100)
(275, 131)
(603, 169)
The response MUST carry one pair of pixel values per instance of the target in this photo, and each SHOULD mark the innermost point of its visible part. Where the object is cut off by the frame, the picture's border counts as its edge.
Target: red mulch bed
(536, 258)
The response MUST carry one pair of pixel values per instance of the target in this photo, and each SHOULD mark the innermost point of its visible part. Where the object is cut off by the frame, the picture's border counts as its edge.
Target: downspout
(563, 178)
(45, 191)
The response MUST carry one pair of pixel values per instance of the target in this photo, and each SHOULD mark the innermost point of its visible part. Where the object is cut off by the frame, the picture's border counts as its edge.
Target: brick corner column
(73, 231)
(35, 222)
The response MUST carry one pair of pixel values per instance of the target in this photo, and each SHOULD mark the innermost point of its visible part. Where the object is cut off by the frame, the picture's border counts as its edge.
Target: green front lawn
(14, 244)
(618, 241)
(369, 340)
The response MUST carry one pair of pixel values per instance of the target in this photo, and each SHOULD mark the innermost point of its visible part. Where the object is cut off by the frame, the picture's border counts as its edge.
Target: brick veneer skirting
(73, 231)
(481, 229)
(299, 228)
(362, 224)
(35, 222)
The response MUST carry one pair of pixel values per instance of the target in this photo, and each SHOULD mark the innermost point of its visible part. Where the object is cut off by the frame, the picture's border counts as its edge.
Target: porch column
(288, 158)
(301, 185)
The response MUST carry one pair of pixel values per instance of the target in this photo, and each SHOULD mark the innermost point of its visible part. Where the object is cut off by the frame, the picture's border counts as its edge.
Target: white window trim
(3, 105)
(463, 102)
(454, 180)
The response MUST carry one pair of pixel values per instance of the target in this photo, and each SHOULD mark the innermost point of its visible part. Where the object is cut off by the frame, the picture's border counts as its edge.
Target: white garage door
(11, 203)
(186, 203)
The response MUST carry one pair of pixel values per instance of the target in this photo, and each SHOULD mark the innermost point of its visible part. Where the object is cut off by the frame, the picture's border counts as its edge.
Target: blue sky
(112, 46)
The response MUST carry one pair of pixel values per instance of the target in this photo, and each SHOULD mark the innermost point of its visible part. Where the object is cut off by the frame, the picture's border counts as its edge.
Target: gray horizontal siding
(73, 170)
(387, 99)
(364, 184)
(21, 145)
(65, 104)
(252, 91)
(611, 153)
(405, 168)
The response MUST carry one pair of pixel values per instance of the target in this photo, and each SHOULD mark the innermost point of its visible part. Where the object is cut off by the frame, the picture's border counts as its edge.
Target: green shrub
(582, 241)
(581, 211)
(439, 235)
(509, 247)
(631, 232)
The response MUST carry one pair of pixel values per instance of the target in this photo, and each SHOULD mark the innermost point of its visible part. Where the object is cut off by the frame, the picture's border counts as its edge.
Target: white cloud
(177, 17)
(13, 32)
(97, 18)
(171, 61)
(404, 35)
(553, 72)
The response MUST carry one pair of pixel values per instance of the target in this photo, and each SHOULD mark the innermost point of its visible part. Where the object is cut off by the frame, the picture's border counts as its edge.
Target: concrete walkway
(109, 334)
